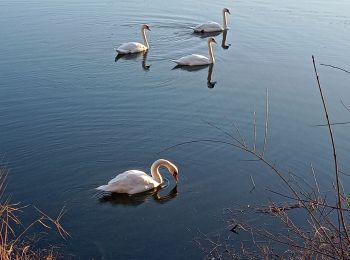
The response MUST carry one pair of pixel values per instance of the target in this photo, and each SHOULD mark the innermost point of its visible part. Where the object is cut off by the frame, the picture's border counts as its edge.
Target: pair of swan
(135, 181)
(189, 60)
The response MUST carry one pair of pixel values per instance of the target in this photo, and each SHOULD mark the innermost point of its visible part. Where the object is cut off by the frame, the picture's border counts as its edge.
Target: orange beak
(176, 177)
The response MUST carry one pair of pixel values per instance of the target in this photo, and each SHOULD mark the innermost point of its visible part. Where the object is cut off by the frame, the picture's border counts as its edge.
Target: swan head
(211, 40)
(145, 27)
(172, 169)
(226, 10)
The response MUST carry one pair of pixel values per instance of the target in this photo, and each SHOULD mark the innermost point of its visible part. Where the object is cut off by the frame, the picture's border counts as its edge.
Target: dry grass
(15, 242)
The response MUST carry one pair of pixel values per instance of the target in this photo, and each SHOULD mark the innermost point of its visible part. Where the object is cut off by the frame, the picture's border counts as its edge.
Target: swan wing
(208, 27)
(131, 47)
(131, 182)
(193, 60)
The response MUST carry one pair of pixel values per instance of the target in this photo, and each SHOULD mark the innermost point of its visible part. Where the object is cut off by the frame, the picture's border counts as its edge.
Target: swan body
(208, 27)
(134, 47)
(135, 181)
(197, 60)
(213, 26)
(131, 47)
(193, 60)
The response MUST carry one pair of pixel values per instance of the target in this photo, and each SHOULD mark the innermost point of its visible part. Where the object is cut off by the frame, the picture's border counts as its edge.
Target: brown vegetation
(15, 242)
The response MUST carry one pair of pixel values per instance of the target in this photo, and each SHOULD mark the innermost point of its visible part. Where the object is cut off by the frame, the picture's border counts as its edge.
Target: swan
(213, 26)
(195, 59)
(135, 181)
(134, 47)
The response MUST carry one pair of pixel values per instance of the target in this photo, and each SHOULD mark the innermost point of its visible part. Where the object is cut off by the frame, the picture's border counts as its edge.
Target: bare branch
(335, 67)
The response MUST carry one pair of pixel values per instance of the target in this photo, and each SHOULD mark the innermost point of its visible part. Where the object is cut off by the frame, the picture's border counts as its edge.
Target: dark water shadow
(138, 199)
(223, 42)
(203, 35)
(134, 56)
(210, 83)
(213, 34)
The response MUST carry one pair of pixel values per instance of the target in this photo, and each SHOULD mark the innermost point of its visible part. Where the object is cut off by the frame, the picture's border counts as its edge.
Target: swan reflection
(210, 83)
(137, 199)
(213, 34)
(134, 56)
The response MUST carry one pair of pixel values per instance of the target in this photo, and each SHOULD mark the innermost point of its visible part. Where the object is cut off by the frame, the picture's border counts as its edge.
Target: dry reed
(15, 242)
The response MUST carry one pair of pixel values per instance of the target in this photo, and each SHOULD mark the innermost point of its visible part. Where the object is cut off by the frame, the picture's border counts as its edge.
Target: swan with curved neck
(134, 47)
(196, 59)
(213, 26)
(135, 181)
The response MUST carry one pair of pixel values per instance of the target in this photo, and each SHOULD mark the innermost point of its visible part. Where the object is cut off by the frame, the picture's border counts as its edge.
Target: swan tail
(103, 188)
(121, 51)
(194, 28)
(177, 62)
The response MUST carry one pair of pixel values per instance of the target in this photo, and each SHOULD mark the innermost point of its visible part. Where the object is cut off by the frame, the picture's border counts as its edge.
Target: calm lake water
(71, 117)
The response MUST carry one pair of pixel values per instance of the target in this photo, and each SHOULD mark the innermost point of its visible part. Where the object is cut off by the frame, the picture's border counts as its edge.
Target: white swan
(195, 59)
(213, 26)
(134, 47)
(135, 181)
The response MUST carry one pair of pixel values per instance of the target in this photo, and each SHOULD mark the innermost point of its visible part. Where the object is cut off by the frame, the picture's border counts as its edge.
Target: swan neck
(210, 50)
(224, 14)
(145, 41)
(155, 171)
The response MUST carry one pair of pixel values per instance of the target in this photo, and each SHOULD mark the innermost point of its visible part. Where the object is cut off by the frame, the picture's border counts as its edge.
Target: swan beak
(176, 176)
(228, 11)
(214, 40)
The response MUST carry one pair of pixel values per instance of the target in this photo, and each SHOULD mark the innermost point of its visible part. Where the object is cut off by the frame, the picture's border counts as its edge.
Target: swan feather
(208, 27)
(131, 182)
(193, 60)
(131, 47)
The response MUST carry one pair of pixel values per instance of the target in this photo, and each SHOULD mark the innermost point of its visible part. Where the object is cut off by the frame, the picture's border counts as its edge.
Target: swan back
(130, 182)
(208, 27)
(192, 60)
(131, 47)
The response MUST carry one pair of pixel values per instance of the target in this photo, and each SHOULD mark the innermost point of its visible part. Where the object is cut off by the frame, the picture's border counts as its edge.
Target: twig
(340, 213)
(223, 131)
(254, 132)
(335, 67)
(346, 107)
(251, 178)
(239, 134)
(314, 175)
(266, 122)
(338, 123)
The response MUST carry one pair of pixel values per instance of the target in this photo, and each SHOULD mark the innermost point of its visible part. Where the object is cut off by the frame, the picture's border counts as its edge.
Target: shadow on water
(138, 199)
(210, 83)
(213, 34)
(134, 56)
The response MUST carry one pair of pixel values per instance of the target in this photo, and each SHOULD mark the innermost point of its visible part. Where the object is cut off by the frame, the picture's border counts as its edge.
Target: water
(71, 117)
